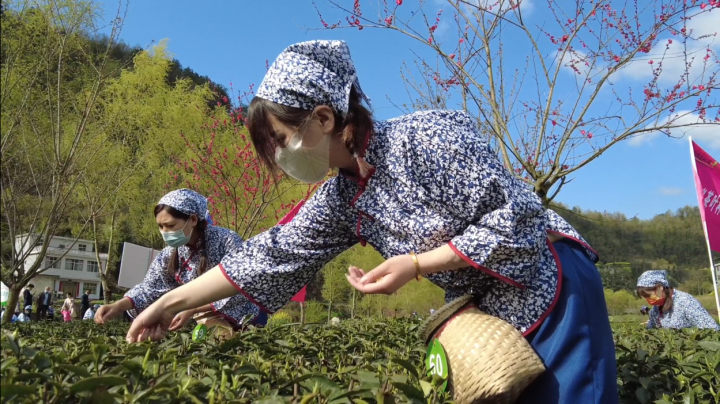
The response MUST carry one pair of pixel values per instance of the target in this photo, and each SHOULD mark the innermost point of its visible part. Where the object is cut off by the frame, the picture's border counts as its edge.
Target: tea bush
(668, 366)
(359, 361)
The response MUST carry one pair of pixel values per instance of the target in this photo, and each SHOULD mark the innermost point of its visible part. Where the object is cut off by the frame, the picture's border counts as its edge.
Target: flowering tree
(556, 84)
(221, 164)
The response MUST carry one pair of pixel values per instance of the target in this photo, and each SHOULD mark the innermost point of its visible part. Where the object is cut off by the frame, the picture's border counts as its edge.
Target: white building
(76, 271)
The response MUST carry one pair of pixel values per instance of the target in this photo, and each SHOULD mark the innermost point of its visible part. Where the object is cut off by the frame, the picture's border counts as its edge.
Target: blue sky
(229, 41)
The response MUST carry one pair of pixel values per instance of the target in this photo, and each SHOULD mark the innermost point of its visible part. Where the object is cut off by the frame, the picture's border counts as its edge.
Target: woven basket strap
(469, 306)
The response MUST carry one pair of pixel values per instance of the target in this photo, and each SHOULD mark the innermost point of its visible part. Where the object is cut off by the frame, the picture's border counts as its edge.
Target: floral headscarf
(308, 74)
(188, 202)
(650, 279)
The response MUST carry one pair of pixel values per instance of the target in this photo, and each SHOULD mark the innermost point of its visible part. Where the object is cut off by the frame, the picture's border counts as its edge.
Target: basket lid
(428, 328)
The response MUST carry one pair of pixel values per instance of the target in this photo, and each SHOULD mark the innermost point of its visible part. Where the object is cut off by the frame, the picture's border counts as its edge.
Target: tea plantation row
(361, 361)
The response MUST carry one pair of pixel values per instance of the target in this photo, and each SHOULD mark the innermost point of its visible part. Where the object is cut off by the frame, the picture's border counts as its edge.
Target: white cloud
(575, 61)
(707, 135)
(578, 64)
(526, 6)
(671, 191)
(702, 30)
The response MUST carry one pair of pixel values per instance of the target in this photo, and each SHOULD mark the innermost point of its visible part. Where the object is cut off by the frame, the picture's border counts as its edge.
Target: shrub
(279, 318)
(315, 312)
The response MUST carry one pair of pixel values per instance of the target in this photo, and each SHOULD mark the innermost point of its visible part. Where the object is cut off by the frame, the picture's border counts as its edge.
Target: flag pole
(707, 236)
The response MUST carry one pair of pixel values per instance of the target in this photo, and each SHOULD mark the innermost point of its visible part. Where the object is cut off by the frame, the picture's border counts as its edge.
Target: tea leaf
(93, 383)
(9, 391)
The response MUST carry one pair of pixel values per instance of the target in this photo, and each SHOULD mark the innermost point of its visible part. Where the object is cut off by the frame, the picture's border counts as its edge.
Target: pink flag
(300, 296)
(707, 183)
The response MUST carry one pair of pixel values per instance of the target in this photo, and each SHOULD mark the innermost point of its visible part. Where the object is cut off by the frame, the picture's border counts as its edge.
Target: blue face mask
(176, 238)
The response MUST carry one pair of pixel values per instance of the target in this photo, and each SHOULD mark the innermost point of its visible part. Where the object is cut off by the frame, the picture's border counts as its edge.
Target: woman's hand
(152, 324)
(386, 278)
(181, 319)
(107, 312)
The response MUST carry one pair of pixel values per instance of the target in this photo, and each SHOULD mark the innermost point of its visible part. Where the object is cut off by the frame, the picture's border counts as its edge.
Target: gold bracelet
(417, 265)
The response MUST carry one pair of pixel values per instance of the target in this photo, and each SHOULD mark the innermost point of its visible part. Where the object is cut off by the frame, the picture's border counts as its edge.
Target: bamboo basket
(215, 322)
(489, 360)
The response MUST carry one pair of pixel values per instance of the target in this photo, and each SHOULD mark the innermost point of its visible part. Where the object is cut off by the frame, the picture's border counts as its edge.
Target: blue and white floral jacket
(436, 181)
(686, 312)
(219, 242)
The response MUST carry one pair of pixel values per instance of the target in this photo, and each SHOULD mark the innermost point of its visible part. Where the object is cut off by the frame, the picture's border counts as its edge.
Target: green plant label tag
(436, 361)
(199, 333)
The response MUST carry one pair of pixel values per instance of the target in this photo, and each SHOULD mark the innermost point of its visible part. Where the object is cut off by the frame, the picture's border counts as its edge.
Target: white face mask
(306, 164)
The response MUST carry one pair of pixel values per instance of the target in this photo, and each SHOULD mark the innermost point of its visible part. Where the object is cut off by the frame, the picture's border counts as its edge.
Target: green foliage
(676, 237)
(667, 366)
(315, 312)
(366, 360)
(622, 302)
(358, 360)
(279, 318)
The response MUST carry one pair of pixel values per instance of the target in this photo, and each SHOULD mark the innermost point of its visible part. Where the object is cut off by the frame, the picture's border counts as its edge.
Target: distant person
(45, 300)
(644, 310)
(194, 246)
(24, 317)
(70, 309)
(671, 308)
(5, 310)
(90, 313)
(84, 303)
(50, 313)
(28, 295)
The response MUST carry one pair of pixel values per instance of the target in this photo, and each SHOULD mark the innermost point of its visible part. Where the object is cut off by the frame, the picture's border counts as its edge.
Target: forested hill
(676, 237)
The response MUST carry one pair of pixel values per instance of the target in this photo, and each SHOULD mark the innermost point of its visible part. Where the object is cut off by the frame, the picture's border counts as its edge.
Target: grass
(708, 301)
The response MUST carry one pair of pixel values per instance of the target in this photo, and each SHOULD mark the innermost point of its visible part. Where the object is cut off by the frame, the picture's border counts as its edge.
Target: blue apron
(575, 341)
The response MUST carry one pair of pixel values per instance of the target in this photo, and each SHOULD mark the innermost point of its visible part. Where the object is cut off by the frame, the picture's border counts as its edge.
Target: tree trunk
(302, 313)
(104, 272)
(11, 304)
(329, 308)
(107, 294)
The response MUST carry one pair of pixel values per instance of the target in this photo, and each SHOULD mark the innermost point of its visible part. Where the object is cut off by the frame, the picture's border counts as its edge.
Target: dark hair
(354, 127)
(639, 289)
(31, 286)
(69, 294)
(174, 263)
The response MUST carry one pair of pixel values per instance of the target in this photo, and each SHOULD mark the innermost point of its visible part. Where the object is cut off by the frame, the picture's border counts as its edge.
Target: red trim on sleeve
(290, 215)
(484, 269)
(557, 292)
(582, 243)
(131, 302)
(244, 293)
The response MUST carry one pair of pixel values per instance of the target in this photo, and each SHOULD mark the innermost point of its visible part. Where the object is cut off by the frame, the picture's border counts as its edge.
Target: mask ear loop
(363, 166)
